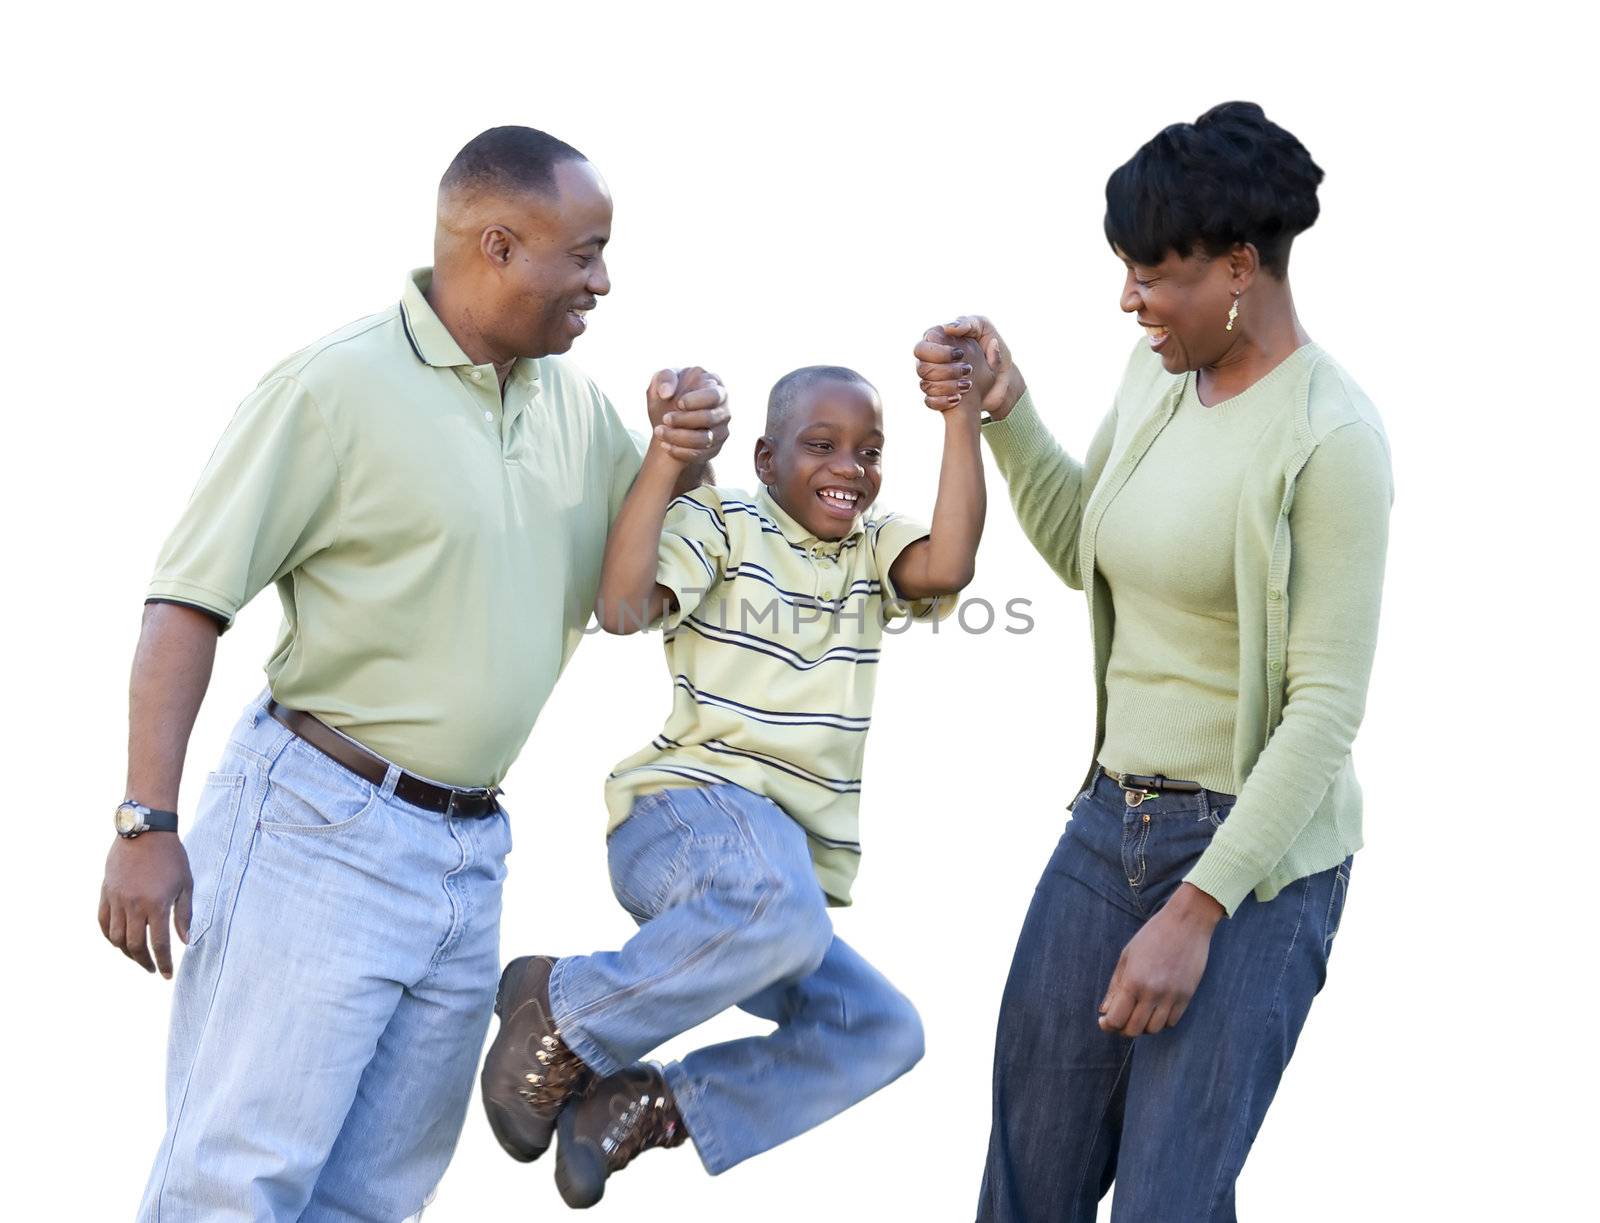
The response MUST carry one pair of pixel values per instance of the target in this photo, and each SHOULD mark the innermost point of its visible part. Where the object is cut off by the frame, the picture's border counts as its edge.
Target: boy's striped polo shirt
(773, 652)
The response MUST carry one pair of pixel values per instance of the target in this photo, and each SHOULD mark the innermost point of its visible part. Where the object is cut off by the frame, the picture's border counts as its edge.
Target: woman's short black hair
(1230, 176)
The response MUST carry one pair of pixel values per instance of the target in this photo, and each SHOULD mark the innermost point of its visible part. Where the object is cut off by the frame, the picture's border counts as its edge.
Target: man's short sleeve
(695, 548)
(266, 502)
(889, 536)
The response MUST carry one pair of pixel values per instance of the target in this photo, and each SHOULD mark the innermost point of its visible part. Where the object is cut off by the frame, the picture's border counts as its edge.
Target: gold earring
(1233, 311)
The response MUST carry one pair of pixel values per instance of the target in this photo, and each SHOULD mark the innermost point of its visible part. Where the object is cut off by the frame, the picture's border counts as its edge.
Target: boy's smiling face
(822, 458)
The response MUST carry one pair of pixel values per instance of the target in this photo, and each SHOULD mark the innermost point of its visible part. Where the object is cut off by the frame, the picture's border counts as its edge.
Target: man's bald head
(507, 160)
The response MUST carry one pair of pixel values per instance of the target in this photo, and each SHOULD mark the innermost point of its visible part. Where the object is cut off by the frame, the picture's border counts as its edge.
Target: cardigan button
(1273, 666)
(1274, 595)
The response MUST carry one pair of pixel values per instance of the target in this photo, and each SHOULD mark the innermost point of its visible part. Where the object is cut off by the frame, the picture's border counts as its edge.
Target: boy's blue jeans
(731, 914)
(1169, 1117)
(332, 1003)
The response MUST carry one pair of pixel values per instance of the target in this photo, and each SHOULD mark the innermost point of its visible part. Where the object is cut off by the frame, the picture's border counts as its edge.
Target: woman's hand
(951, 369)
(1161, 966)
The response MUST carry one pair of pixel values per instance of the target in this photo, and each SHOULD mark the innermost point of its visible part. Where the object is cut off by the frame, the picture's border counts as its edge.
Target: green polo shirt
(436, 545)
(773, 650)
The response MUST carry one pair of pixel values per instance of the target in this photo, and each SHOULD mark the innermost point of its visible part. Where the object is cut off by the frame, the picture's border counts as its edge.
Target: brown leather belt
(467, 804)
(1155, 784)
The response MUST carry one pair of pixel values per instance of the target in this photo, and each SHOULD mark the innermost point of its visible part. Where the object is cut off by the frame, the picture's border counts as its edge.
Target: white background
(195, 194)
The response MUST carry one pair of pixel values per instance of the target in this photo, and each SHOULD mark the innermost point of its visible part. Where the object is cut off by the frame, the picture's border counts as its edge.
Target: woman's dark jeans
(1169, 1117)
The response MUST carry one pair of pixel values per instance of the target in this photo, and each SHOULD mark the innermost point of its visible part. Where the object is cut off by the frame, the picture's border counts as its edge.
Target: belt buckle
(487, 794)
(1134, 795)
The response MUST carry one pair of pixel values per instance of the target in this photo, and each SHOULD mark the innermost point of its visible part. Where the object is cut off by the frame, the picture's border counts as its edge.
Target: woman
(1229, 525)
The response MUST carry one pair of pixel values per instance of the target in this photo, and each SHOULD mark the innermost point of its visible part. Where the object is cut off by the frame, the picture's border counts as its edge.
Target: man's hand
(147, 880)
(1161, 966)
(688, 414)
(968, 358)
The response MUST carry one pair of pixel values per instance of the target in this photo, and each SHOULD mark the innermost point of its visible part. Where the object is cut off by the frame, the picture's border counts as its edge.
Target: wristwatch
(134, 818)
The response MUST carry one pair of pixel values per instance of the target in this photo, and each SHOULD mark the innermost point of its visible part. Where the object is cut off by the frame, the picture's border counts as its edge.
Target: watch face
(129, 819)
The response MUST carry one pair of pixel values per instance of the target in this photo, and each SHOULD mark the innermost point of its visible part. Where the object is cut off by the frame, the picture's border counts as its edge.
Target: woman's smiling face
(1182, 303)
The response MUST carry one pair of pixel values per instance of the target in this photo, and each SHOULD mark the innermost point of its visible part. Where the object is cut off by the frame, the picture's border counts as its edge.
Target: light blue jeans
(333, 1001)
(731, 914)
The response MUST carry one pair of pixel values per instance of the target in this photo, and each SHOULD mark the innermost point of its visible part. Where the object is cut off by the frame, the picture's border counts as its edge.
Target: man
(429, 488)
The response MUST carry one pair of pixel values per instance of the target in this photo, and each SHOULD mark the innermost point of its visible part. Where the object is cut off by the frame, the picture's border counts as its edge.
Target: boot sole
(513, 1140)
(580, 1170)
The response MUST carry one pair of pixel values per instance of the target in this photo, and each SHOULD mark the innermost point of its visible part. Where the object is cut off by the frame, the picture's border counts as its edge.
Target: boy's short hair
(786, 391)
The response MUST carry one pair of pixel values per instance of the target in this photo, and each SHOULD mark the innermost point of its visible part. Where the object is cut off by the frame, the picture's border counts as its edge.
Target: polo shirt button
(477, 375)
(488, 415)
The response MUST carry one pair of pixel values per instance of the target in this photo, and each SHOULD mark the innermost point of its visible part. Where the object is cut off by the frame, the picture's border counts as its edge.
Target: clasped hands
(688, 414)
(967, 362)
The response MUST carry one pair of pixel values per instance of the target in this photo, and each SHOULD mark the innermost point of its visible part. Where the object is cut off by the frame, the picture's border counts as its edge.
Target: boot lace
(644, 1122)
(561, 1075)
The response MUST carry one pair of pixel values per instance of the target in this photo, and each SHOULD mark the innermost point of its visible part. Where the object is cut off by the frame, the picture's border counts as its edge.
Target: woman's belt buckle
(1134, 794)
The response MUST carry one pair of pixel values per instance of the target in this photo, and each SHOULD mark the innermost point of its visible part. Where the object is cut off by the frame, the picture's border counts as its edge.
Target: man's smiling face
(552, 270)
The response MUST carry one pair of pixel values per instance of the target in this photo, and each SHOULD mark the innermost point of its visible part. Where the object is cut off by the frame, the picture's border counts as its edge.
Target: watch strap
(161, 821)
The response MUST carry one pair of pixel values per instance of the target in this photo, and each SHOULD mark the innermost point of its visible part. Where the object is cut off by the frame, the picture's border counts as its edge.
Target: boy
(735, 828)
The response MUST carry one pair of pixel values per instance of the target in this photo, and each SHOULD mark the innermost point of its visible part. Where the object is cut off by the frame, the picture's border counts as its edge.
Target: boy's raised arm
(943, 563)
(630, 598)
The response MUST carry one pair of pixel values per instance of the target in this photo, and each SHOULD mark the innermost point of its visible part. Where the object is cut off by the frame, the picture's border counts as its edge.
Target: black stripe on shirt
(797, 598)
(839, 785)
(771, 528)
(691, 774)
(852, 846)
(716, 519)
(405, 326)
(699, 555)
(761, 645)
(776, 717)
(222, 621)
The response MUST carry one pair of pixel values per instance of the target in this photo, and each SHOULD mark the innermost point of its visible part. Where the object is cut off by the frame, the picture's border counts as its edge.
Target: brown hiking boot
(529, 1073)
(624, 1115)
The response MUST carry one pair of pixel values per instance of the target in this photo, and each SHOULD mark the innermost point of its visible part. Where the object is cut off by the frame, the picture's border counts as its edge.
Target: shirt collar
(797, 534)
(429, 338)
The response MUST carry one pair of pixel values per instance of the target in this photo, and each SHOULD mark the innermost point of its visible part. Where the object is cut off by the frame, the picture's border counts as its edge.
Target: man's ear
(764, 455)
(495, 243)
